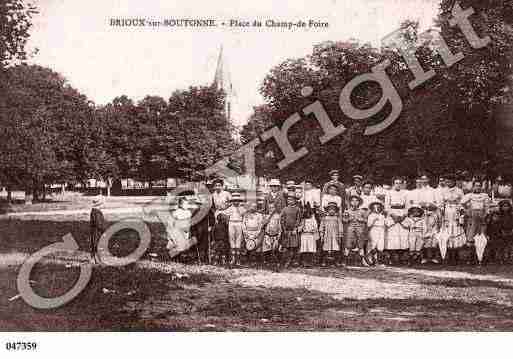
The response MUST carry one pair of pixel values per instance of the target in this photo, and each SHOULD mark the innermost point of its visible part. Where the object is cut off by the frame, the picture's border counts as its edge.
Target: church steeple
(222, 80)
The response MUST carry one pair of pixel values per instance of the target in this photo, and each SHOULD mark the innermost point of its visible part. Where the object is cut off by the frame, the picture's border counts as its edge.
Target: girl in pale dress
(452, 220)
(309, 235)
(377, 231)
(331, 231)
(397, 235)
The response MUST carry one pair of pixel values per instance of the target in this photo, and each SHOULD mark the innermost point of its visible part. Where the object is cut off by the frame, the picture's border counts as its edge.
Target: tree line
(447, 123)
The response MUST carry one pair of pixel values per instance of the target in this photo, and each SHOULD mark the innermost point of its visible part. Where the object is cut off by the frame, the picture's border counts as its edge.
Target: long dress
(397, 235)
(309, 235)
(376, 225)
(331, 230)
(272, 233)
(452, 222)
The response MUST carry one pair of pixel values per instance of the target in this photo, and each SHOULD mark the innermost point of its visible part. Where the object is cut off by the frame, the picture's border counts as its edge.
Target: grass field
(163, 295)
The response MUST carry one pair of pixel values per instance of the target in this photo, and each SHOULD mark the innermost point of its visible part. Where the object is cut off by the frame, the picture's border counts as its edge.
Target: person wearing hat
(339, 186)
(355, 221)
(97, 225)
(396, 207)
(331, 231)
(356, 187)
(376, 228)
(235, 215)
(275, 196)
(290, 221)
(416, 225)
(452, 219)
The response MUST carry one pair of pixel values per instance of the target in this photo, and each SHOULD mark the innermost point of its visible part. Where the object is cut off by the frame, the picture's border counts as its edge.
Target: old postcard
(293, 166)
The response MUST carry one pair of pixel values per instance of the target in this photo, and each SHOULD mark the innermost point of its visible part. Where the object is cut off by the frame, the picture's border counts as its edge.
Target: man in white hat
(275, 196)
(97, 226)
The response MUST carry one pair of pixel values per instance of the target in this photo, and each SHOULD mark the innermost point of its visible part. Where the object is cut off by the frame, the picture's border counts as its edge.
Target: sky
(75, 39)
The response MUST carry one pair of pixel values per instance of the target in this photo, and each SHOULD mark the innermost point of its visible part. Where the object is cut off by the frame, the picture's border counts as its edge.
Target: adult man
(275, 196)
(356, 188)
(341, 188)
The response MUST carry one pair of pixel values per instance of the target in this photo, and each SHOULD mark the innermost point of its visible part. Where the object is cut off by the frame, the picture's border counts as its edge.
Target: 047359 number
(20, 346)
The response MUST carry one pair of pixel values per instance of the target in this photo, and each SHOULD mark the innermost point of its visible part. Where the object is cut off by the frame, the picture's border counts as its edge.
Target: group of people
(365, 223)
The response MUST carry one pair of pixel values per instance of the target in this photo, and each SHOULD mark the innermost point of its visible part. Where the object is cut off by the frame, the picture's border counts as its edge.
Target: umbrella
(442, 238)
(480, 242)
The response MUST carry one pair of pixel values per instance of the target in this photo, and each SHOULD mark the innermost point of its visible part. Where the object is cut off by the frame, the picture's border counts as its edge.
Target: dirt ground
(157, 294)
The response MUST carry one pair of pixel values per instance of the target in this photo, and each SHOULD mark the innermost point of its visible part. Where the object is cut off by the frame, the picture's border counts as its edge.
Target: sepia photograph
(297, 166)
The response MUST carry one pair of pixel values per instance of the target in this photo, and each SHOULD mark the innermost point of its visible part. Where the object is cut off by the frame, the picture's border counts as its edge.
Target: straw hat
(236, 197)
(274, 182)
(331, 205)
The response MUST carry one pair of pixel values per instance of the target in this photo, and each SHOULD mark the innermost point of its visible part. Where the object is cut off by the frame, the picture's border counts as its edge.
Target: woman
(452, 220)
(396, 201)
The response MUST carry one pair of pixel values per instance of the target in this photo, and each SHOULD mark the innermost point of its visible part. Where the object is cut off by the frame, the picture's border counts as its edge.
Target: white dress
(309, 236)
(397, 234)
(376, 225)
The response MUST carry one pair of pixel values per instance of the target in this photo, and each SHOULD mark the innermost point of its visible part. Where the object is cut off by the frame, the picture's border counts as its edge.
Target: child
(476, 204)
(377, 231)
(290, 221)
(272, 233)
(221, 245)
(235, 215)
(416, 224)
(309, 236)
(251, 229)
(97, 227)
(433, 222)
(355, 221)
(331, 231)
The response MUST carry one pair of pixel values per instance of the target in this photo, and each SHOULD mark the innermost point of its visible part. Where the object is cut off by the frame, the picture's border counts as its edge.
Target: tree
(445, 122)
(45, 129)
(15, 23)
